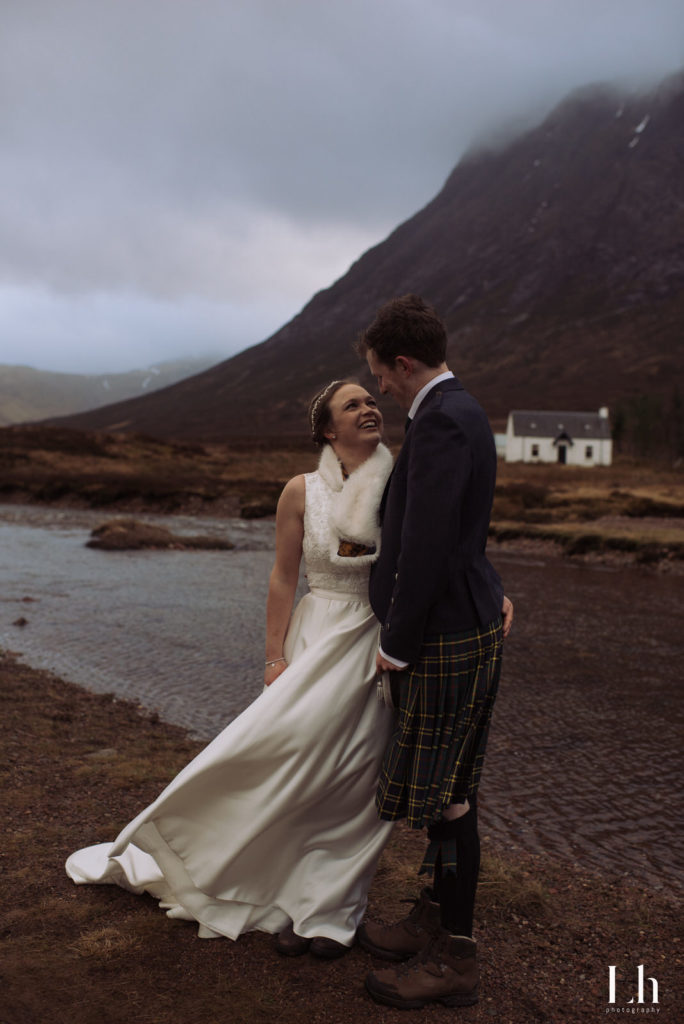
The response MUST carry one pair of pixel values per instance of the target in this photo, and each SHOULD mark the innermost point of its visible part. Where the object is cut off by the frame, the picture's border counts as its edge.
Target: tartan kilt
(445, 703)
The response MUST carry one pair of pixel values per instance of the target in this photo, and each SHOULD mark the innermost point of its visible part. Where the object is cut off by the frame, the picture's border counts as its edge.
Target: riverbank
(77, 766)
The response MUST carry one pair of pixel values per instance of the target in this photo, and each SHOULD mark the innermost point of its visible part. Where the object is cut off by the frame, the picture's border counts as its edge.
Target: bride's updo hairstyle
(320, 419)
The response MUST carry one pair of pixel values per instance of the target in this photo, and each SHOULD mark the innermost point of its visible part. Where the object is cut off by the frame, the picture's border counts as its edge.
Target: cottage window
(589, 451)
(535, 451)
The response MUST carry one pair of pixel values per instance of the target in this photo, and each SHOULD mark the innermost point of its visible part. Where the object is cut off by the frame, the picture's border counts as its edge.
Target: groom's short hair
(406, 326)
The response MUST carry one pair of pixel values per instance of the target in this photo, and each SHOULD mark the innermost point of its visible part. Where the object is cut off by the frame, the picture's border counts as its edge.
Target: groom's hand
(383, 665)
(507, 616)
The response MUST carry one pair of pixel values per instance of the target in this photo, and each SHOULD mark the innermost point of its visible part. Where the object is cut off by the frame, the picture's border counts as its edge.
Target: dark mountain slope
(557, 263)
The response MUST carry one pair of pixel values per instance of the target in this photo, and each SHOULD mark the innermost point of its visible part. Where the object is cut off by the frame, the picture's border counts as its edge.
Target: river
(585, 750)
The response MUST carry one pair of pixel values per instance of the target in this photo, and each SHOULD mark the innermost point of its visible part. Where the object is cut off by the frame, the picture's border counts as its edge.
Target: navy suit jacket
(432, 576)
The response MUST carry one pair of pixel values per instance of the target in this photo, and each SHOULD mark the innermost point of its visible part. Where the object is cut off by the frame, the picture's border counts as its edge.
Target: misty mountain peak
(557, 262)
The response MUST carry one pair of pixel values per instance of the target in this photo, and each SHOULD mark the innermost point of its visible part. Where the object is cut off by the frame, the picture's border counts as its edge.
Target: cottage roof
(575, 425)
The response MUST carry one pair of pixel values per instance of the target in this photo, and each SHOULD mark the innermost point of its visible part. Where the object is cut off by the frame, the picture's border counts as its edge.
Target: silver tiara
(316, 406)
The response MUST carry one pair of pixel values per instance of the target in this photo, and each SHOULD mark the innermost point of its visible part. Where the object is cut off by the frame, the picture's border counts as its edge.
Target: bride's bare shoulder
(293, 495)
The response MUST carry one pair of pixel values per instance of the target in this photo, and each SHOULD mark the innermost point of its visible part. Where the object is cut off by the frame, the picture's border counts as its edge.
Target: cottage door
(562, 454)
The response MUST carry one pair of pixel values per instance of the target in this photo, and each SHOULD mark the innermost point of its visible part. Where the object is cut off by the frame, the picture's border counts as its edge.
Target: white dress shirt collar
(424, 390)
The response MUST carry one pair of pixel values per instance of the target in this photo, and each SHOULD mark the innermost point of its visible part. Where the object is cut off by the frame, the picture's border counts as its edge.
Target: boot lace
(428, 958)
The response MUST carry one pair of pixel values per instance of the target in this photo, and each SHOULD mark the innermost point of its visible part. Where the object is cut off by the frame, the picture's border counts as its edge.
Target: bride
(273, 825)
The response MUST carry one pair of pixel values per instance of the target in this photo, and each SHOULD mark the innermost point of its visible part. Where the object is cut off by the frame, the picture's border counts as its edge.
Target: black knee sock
(455, 891)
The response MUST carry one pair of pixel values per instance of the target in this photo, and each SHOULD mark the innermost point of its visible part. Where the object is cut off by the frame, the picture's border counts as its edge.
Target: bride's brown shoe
(404, 938)
(289, 943)
(327, 949)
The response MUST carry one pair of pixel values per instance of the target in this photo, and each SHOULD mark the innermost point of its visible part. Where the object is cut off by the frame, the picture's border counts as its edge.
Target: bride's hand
(271, 672)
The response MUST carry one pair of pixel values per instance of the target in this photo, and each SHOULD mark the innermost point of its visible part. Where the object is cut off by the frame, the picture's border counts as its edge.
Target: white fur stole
(356, 502)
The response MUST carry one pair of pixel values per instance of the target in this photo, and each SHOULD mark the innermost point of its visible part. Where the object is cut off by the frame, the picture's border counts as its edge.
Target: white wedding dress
(275, 820)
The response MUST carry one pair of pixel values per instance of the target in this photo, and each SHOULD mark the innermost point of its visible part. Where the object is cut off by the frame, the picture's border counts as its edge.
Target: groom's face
(392, 380)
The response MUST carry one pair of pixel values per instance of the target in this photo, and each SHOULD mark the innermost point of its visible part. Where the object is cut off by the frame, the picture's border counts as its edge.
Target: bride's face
(355, 418)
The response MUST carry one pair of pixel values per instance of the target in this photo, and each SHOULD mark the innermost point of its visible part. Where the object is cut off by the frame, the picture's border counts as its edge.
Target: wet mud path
(585, 759)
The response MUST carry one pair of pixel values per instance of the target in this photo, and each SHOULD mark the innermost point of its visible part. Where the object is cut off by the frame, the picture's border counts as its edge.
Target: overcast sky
(180, 176)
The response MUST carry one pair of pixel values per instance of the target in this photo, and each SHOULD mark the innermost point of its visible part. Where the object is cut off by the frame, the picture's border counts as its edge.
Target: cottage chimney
(603, 412)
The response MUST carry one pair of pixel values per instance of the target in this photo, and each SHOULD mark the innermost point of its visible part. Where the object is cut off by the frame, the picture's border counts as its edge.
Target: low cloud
(235, 157)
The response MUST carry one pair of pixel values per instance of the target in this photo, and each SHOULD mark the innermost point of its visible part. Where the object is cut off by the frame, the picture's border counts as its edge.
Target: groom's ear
(405, 365)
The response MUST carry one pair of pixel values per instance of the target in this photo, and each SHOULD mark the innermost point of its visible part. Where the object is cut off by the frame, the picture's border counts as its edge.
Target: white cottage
(572, 438)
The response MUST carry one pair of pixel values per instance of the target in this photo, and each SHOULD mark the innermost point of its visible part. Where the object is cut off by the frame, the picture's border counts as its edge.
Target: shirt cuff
(394, 661)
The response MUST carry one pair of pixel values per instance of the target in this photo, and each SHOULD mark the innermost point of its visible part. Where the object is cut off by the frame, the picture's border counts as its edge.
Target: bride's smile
(355, 420)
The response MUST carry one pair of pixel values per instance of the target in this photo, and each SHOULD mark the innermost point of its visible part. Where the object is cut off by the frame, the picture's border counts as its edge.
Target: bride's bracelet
(274, 662)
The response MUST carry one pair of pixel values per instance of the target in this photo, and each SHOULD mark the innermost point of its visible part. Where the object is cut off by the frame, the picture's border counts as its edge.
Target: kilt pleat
(445, 706)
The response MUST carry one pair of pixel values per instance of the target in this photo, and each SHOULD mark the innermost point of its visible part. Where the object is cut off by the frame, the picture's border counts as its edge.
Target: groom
(439, 602)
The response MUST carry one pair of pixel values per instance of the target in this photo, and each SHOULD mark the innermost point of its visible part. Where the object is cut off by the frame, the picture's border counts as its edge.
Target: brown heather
(632, 510)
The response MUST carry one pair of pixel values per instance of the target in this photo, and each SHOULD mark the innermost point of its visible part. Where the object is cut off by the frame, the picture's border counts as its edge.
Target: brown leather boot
(404, 938)
(444, 972)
